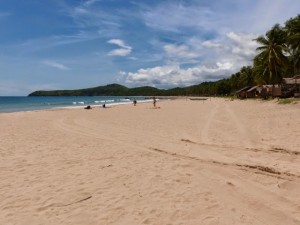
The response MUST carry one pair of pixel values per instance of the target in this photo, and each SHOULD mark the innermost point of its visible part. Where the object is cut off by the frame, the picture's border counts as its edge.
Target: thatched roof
(292, 80)
(251, 89)
(243, 89)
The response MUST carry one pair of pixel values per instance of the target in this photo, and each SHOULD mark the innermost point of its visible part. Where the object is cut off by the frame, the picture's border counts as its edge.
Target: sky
(72, 44)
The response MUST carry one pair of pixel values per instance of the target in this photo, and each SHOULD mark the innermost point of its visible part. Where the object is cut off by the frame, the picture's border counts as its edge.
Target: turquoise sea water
(16, 104)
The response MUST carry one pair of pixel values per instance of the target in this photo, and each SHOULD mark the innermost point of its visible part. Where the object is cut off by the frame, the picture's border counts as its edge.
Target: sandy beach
(187, 162)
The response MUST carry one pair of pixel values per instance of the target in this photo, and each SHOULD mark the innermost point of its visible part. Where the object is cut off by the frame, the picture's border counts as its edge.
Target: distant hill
(220, 87)
(108, 90)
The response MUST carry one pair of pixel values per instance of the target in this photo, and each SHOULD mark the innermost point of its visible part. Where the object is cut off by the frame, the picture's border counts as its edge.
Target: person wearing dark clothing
(154, 102)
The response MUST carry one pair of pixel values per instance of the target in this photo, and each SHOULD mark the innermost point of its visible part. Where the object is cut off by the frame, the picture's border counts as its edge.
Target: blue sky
(68, 44)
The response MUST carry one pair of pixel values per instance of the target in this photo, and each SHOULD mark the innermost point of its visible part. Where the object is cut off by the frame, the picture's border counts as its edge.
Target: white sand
(189, 162)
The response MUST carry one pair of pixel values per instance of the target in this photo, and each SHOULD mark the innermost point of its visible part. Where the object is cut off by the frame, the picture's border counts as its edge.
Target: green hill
(108, 90)
(205, 88)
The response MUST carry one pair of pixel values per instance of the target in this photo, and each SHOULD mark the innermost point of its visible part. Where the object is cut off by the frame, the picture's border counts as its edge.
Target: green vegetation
(288, 101)
(278, 57)
(271, 63)
(108, 90)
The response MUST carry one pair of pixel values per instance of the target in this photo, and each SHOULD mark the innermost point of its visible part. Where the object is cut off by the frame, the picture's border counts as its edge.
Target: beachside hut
(269, 90)
(242, 93)
(252, 92)
(293, 85)
(263, 90)
(272, 90)
(292, 80)
(276, 90)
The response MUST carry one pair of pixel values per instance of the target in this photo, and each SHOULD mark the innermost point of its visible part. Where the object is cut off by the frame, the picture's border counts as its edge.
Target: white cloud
(118, 42)
(119, 52)
(55, 65)
(90, 2)
(243, 44)
(239, 48)
(212, 44)
(166, 76)
(124, 49)
(223, 57)
(180, 51)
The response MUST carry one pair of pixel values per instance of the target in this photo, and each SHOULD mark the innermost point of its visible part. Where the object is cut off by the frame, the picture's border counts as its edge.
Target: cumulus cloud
(237, 48)
(243, 44)
(166, 76)
(55, 65)
(124, 49)
(223, 57)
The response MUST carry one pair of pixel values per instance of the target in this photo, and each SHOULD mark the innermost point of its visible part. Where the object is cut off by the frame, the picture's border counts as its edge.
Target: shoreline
(82, 105)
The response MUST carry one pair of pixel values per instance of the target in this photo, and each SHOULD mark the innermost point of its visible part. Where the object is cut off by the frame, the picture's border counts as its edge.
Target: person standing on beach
(154, 102)
(134, 102)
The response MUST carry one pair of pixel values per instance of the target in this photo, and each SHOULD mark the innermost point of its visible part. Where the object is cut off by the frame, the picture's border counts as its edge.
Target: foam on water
(104, 101)
(77, 103)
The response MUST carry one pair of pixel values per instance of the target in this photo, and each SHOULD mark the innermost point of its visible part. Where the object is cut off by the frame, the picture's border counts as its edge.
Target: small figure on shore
(154, 102)
(134, 102)
(103, 106)
(88, 107)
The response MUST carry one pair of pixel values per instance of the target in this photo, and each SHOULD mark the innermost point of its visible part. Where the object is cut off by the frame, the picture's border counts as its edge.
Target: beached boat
(201, 99)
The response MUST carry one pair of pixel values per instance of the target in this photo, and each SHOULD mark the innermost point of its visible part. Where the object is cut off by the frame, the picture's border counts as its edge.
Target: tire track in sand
(233, 124)
(206, 128)
(243, 133)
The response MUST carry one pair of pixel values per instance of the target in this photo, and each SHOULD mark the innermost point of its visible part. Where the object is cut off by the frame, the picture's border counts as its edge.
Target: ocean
(17, 104)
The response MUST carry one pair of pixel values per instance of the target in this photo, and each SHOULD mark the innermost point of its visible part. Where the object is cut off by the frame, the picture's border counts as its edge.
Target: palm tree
(271, 62)
(247, 77)
(292, 28)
